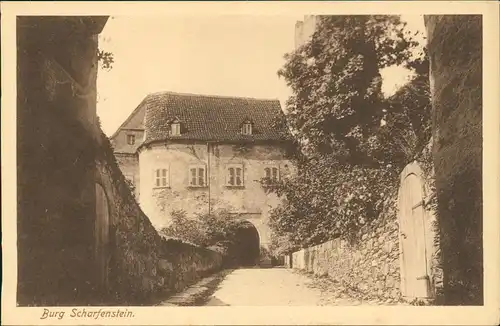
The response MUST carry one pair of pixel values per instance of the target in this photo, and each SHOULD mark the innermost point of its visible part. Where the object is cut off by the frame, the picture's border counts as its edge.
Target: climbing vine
(351, 141)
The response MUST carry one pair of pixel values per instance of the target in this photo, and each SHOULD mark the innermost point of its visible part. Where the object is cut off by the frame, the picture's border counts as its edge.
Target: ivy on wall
(351, 141)
(455, 50)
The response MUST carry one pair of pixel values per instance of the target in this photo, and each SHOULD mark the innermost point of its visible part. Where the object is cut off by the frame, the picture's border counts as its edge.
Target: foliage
(407, 128)
(456, 45)
(281, 243)
(321, 205)
(217, 227)
(265, 253)
(184, 228)
(353, 142)
(204, 230)
(131, 185)
(106, 59)
(336, 82)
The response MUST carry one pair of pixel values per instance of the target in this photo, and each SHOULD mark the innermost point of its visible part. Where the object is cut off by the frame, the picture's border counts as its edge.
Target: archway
(246, 245)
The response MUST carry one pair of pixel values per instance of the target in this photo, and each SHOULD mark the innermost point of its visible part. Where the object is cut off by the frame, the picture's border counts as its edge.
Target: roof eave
(220, 141)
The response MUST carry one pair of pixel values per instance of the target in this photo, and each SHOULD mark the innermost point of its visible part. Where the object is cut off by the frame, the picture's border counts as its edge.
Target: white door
(415, 279)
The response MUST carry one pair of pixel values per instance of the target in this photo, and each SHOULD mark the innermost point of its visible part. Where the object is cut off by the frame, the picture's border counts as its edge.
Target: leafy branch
(348, 160)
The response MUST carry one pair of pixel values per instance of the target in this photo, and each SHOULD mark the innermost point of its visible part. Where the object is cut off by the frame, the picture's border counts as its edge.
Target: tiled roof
(207, 117)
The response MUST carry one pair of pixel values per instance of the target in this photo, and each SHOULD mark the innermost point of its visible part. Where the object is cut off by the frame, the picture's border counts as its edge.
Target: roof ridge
(211, 96)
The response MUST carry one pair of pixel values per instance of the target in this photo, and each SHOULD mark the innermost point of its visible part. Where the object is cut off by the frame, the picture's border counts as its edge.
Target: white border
(486, 315)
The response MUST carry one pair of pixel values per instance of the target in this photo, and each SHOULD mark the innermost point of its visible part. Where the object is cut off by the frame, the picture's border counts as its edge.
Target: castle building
(201, 154)
(304, 30)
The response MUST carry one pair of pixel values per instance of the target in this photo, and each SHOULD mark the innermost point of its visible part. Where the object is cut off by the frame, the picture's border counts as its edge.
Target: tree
(350, 162)
(327, 199)
(336, 83)
(407, 128)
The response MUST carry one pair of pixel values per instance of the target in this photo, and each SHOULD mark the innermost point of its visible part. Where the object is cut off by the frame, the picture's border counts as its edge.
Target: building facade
(126, 141)
(305, 29)
(201, 154)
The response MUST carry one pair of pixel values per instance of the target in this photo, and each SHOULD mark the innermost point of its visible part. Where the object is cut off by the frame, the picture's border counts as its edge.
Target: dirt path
(264, 287)
(269, 287)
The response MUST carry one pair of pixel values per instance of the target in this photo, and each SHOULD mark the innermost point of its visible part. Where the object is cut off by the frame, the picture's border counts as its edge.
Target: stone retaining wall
(370, 266)
(373, 264)
(81, 237)
(143, 264)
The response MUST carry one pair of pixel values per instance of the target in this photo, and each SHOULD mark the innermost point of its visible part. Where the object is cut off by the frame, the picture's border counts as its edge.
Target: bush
(205, 230)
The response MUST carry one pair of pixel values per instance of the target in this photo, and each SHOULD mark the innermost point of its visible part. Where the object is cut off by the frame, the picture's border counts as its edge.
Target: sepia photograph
(247, 160)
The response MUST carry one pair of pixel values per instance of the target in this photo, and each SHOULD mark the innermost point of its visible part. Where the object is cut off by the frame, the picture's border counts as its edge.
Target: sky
(213, 55)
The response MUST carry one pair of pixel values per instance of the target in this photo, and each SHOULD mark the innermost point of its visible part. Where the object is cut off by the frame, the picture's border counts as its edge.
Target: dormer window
(246, 128)
(175, 127)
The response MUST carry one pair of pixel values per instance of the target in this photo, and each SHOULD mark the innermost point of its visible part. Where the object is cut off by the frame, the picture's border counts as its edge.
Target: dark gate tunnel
(246, 245)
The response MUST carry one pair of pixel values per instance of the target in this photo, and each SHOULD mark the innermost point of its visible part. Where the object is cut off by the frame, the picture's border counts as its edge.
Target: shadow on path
(213, 301)
(208, 299)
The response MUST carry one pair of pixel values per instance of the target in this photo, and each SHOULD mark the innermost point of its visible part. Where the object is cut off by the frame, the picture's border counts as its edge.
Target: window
(271, 175)
(247, 128)
(235, 175)
(197, 176)
(176, 128)
(161, 178)
(131, 139)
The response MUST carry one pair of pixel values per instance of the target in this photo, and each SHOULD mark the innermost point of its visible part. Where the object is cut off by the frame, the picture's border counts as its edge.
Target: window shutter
(156, 178)
(201, 177)
(237, 176)
(192, 176)
(232, 176)
(242, 175)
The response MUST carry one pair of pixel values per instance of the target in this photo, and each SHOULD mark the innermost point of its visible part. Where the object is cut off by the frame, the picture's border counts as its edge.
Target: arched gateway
(247, 244)
(254, 233)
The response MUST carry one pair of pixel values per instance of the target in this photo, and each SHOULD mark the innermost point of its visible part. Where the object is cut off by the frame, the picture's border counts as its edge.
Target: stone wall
(455, 53)
(82, 237)
(371, 266)
(56, 74)
(184, 264)
(143, 264)
(250, 202)
(129, 165)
